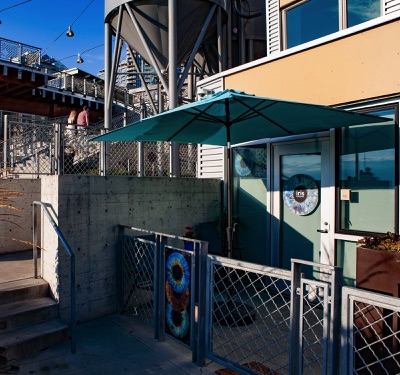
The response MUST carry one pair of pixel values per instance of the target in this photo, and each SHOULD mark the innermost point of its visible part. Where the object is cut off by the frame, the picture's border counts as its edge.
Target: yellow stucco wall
(358, 67)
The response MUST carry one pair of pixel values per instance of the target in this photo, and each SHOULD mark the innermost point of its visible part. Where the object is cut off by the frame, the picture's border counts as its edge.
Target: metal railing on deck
(72, 264)
(19, 53)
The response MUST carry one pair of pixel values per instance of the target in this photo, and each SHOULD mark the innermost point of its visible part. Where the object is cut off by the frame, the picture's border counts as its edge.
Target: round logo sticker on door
(300, 194)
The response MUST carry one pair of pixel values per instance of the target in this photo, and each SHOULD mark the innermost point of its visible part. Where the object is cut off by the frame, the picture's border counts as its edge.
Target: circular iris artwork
(178, 274)
(177, 292)
(300, 194)
(177, 321)
(178, 301)
(243, 163)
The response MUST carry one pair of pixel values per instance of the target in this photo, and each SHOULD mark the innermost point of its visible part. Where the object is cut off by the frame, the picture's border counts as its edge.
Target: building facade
(340, 53)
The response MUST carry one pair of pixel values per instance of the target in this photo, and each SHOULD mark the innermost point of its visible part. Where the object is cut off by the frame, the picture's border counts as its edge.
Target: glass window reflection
(311, 20)
(359, 11)
(367, 169)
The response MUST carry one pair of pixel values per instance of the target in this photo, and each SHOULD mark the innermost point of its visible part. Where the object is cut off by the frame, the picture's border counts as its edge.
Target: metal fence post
(295, 353)
(201, 256)
(6, 146)
(159, 297)
(335, 330)
(57, 150)
(34, 244)
(346, 359)
(119, 265)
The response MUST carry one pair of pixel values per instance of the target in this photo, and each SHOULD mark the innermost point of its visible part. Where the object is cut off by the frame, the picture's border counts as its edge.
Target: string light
(79, 55)
(68, 31)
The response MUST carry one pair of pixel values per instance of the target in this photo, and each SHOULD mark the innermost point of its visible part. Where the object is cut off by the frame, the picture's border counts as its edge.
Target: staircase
(28, 319)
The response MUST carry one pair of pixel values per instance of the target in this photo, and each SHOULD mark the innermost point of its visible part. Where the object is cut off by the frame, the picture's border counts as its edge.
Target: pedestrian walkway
(117, 344)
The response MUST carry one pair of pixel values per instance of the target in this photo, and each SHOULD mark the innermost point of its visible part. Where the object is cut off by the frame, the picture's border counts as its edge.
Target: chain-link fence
(250, 318)
(78, 155)
(253, 318)
(29, 146)
(36, 145)
(371, 344)
(138, 270)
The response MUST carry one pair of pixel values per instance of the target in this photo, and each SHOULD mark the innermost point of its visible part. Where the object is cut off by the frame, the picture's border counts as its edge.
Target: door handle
(322, 230)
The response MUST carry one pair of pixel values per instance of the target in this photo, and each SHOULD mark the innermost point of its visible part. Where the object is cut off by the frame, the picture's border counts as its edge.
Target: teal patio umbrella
(230, 117)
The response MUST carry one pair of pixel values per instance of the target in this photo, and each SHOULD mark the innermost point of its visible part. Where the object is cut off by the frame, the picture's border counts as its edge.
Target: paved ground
(118, 344)
(15, 266)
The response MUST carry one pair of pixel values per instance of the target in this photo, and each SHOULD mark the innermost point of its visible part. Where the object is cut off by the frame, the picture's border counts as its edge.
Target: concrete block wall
(88, 210)
(18, 227)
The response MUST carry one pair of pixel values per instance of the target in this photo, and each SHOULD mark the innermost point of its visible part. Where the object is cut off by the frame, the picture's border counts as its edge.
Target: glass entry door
(301, 215)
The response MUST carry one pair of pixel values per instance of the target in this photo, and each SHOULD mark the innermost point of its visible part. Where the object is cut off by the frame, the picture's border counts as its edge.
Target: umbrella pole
(229, 232)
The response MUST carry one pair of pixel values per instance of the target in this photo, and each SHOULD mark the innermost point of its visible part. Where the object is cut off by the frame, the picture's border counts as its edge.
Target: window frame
(342, 21)
(338, 207)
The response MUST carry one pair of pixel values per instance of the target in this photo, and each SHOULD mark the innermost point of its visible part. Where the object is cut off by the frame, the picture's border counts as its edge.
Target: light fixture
(80, 60)
(69, 33)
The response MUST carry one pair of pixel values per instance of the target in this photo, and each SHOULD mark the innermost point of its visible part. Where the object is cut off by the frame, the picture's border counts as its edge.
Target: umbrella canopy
(229, 117)
(234, 117)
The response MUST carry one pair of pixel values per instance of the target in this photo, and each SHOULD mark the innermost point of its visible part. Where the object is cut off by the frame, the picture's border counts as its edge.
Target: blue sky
(40, 22)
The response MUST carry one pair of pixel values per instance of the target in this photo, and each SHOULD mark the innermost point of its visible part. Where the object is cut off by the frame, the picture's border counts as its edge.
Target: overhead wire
(15, 5)
(76, 19)
(81, 53)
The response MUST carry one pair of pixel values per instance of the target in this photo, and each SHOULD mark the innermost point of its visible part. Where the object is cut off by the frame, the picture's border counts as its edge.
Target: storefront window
(367, 176)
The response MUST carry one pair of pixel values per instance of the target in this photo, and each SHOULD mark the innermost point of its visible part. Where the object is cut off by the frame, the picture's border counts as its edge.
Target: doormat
(257, 367)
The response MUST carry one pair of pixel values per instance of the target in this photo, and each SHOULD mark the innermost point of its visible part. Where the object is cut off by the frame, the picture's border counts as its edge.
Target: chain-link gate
(138, 270)
(268, 320)
(249, 312)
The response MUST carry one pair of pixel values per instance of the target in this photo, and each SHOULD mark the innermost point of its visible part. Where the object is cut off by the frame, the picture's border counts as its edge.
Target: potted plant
(378, 263)
(189, 245)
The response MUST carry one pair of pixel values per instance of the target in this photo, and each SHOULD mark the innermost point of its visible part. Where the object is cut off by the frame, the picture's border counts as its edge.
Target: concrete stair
(28, 319)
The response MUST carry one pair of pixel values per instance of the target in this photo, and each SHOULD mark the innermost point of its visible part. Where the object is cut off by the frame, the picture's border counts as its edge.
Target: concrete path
(16, 266)
(118, 344)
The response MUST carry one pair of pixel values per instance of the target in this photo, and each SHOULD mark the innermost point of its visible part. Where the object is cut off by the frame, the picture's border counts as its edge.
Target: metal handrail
(72, 264)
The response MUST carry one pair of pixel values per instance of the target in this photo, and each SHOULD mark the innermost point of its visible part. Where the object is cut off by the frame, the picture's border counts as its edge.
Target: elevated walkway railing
(34, 146)
(19, 53)
(71, 255)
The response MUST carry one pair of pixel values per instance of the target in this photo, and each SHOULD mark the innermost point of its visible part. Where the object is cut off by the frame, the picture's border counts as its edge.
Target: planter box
(377, 271)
